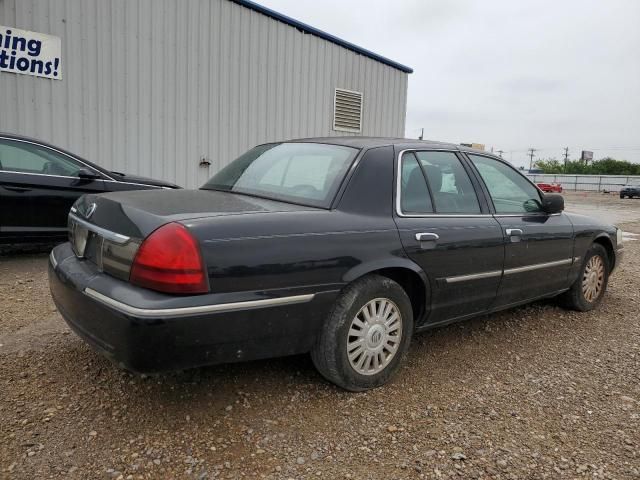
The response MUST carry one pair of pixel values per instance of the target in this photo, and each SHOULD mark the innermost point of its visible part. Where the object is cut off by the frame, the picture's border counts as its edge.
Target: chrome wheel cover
(593, 278)
(374, 336)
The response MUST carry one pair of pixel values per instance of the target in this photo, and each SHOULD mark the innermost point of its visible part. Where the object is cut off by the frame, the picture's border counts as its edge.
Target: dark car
(342, 247)
(40, 182)
(632, 189)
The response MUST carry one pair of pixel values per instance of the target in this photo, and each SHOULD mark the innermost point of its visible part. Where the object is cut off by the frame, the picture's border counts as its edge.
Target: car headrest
(434, 174)
(415, 197)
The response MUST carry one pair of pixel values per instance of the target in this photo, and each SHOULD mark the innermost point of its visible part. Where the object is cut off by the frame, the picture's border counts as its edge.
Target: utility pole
(421, 134)
(500, 152)
(566, 158)
(531, 152)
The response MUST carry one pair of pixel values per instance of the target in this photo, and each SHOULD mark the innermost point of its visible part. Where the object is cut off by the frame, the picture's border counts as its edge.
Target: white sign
(30, 53)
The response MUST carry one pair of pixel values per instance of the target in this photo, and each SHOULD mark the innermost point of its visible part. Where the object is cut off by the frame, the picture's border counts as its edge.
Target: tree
(604, 166)
(550, 165)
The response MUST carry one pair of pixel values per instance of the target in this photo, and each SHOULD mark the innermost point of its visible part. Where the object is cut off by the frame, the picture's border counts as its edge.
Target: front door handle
(514, 234)
(427, 237)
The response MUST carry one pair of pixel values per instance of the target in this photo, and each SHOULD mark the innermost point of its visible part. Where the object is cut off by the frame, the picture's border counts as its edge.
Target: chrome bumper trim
(103, 232)
(52, 259)
(184, 311)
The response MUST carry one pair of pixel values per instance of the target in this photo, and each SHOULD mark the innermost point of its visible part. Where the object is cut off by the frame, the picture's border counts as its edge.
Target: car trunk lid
(137, 213)
(107, 229)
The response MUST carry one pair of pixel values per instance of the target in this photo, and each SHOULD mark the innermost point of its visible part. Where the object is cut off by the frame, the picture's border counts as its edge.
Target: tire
(583, 294)
(621, 196)
(348, 316)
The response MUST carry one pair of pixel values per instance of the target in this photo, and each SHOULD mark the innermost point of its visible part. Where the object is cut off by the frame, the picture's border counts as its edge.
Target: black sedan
(39, 183)
(631, 189)
(342, 247)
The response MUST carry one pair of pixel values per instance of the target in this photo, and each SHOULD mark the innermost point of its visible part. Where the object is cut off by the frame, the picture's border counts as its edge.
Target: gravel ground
(536, 392)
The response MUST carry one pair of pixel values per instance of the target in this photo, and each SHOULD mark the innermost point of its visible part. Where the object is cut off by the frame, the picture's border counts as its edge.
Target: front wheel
(367, 335)
(587, 291)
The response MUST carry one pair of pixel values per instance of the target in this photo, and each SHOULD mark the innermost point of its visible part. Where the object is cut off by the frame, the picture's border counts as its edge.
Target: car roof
(29, 139)
(14, 136)
(24, 138)
(372, 142)
(367, 142)
(358, 142)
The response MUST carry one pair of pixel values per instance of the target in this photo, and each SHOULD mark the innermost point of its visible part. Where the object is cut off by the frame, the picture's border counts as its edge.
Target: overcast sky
(509, 74)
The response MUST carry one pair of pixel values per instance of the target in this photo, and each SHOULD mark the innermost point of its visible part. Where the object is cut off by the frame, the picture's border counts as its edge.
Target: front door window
(511, 192)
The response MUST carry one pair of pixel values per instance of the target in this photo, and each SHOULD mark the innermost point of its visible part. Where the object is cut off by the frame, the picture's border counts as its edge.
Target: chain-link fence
(597, 183)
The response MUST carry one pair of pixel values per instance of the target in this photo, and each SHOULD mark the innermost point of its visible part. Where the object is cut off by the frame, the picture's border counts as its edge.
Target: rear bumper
(146, 331)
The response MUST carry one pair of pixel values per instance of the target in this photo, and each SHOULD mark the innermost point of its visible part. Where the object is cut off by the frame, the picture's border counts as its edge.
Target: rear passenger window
(414, 197)
(450, 186)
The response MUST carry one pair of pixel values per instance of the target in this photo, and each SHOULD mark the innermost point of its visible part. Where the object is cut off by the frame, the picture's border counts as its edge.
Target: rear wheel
(366, 336)
(587, 291)
(621, 196)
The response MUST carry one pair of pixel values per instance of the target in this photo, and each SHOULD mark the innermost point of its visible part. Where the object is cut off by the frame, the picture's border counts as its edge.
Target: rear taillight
(169, 261)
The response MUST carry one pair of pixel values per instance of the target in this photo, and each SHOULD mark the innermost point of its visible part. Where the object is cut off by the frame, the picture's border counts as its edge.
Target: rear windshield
(305, 173)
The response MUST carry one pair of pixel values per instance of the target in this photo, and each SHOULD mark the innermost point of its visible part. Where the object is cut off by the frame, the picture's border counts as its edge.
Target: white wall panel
(151, 86)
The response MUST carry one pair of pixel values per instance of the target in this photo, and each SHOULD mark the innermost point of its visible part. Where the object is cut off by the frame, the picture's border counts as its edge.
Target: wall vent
(347, 111)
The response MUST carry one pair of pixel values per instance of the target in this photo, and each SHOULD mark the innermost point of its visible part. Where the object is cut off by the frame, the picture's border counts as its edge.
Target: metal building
(153, 87)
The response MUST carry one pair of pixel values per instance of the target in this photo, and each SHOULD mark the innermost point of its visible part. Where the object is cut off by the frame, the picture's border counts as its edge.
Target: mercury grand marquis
(341, 247)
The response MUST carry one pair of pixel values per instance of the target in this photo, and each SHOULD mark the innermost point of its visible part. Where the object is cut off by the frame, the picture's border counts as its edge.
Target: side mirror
(552, 203)
(85, 174)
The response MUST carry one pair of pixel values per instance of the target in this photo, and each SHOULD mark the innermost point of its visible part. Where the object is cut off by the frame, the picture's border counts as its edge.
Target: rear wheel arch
(409, 276)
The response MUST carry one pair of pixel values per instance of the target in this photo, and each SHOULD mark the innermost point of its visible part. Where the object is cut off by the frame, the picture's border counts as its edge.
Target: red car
(550, 187)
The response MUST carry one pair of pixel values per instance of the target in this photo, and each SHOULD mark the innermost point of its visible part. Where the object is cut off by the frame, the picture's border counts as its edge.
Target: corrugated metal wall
(151, 86)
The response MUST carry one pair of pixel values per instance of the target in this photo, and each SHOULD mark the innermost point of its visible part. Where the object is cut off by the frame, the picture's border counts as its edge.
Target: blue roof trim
(324, 35)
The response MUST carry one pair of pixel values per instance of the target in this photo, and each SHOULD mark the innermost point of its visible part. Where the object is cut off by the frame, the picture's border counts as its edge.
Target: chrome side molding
(537, 266)
(474, 276)
(510, 271)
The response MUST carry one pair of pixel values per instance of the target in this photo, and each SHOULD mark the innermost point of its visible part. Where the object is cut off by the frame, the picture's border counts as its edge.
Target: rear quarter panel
(289, 250)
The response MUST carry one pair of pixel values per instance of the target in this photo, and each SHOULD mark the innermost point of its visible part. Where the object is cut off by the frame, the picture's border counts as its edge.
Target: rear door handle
(427, 240)
(427, 237)
(17, 189)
